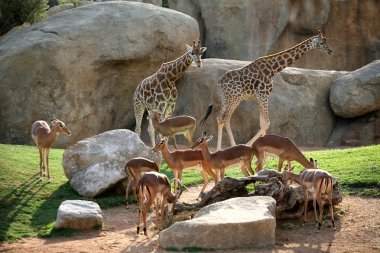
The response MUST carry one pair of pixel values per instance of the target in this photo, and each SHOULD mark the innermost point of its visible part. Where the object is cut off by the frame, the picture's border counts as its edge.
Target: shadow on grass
(16, 201)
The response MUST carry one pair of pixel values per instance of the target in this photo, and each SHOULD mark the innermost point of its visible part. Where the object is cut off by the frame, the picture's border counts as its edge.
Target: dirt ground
(357, 220)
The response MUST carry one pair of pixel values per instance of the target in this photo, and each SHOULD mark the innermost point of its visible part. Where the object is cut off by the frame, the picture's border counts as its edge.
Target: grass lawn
(29, 207)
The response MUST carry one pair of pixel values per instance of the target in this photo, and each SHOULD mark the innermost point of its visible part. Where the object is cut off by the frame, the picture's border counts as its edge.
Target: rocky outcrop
(85, 71)
(97, 163)
(244, 30)
(79, 214)
(299, 104)
(357, 93)
(59, 8)
(238, 223)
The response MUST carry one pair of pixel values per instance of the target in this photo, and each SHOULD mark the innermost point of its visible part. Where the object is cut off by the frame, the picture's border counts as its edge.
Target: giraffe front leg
(264, 119)
(220, 134)
(151, 132)
(139, 113)
(229, 132)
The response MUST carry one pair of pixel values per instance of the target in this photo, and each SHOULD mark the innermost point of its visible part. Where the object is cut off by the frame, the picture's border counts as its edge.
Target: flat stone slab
(79, 214)
(237, 223)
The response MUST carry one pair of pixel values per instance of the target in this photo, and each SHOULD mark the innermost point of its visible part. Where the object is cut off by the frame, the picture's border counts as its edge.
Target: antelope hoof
(145, 233)
(138, 230)
(49, 181)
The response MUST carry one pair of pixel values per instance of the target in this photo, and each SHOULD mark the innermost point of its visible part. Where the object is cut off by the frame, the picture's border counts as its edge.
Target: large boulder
(238, 223)
(97, 163)
(299, 105)
(357, 93)
(79, 214)
(85, 71)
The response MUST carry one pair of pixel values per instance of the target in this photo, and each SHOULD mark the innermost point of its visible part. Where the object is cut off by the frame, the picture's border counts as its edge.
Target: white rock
(237, 223)
(79, 214)
(97, 163)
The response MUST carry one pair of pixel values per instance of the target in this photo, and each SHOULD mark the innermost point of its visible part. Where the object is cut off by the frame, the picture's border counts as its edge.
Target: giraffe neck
(277, 62)
(174, 69)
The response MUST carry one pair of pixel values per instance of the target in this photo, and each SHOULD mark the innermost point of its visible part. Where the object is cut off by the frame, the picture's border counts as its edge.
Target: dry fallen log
(290, 199)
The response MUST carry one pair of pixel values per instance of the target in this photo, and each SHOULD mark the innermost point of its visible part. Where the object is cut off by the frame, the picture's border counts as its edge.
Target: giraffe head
(196, 52)
(319, 42)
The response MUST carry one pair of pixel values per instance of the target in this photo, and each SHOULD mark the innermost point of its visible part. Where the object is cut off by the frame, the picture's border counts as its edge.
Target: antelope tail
(209, 109)
(326, 186)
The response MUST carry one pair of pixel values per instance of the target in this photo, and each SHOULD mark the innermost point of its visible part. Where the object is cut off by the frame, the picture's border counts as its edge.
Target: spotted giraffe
(158, 91)
(254, 81)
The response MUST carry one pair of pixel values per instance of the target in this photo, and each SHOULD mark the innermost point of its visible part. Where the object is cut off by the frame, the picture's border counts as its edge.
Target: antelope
(317, 182)
(172, 126)
(134, 168)
(152, 186)
(222, 159)
(44, 137)
(185, 159)
(282, 147)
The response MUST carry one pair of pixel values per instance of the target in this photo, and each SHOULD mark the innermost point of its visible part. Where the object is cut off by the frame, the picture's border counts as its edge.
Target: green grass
(28, 207)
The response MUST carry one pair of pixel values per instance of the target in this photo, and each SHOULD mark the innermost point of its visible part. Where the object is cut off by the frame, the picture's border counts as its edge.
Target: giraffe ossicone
(254, 81)
(158, 91)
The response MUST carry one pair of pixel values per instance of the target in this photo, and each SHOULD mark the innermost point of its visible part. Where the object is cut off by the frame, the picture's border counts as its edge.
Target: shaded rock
(358, 131)
(85, 71)
(238, 223)
(97, 163)
(299, 102)
(79, 214)
(357, 93)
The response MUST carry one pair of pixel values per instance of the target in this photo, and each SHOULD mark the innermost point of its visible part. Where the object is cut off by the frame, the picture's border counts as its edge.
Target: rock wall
(244, 30)
(85, 71)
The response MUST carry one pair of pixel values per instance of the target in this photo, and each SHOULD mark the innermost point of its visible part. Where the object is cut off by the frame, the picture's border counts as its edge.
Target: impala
(170, 127)
(185, 159)
(44, 137)
(282, 147)
(153, 186)
(222, 159)
(134, 168)
(318, 183)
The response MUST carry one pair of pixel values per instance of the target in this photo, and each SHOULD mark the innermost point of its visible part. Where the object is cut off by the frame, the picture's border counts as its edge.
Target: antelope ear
(292, 168)
(203, 49)
(210, 137)
(320, 33)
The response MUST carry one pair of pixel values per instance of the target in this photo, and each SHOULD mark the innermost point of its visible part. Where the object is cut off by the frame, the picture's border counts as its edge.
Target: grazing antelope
(282, 147)
(185, 159)
(153, 186)
(317, 182)
(134, 168)
(222, 159)
(174, 126)
(44, 137)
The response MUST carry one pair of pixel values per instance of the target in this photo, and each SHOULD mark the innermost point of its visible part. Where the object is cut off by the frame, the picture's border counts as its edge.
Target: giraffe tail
(203, 120)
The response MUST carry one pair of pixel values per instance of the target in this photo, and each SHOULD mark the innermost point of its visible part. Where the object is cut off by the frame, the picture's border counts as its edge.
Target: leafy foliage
(17, 12)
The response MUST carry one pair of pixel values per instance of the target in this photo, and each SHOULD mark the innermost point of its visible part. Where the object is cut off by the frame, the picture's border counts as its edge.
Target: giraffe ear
(189, 49)
(203, 49)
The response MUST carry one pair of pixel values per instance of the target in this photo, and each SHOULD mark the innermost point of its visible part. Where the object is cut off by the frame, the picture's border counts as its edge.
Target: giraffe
(254, 81)
(158, 91)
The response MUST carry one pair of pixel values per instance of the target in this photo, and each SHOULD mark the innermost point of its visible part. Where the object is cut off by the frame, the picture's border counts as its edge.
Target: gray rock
(85, 71)
(236, 223)
(299, 104)
(59, 8)
(79, 214)
(97, 163)
(357, 93)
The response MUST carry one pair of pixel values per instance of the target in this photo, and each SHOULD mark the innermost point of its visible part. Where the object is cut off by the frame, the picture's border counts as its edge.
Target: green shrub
(17, 12)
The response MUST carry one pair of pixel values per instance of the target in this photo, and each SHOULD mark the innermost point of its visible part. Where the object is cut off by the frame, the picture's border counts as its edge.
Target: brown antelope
(153, 186)
(184, 159)
(170, 127)
(134, 168)
(44, 137)
(318, 183)
(282, 147)
(222, 159)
